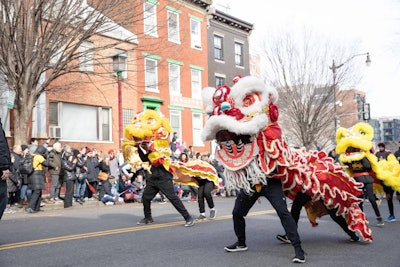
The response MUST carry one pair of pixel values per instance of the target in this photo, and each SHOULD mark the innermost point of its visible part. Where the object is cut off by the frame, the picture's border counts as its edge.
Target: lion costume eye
(251, 99)
(364, 130)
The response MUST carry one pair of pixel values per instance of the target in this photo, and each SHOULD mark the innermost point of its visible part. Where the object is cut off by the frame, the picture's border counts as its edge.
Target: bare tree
(44, 37)
(300, 70)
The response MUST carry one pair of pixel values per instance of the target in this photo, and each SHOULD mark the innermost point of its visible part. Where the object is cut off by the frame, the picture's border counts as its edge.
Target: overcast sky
(374, 25)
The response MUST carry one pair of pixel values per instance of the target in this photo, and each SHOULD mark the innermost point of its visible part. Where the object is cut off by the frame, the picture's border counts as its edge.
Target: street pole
(120, 130)
(334, 69)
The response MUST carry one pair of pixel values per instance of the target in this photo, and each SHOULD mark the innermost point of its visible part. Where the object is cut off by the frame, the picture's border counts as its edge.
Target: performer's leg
(166, 186)
(340, 220)
(150, 191)
(299, 201)
(243, 204)
(389, 197)
(274, 193)
(362, 197)
(208, 188)
(370, 194)
(200, 198)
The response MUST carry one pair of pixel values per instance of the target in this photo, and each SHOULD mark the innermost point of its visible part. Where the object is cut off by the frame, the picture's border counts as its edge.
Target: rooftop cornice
(232, 21)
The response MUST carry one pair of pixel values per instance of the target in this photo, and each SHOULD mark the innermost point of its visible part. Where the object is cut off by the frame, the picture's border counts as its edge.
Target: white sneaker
(9, 211)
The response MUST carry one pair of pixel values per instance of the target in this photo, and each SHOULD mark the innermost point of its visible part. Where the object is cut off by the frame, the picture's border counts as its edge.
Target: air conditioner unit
(55, 132)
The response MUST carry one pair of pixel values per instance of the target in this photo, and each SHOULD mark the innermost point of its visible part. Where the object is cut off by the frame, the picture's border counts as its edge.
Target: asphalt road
(98, 235)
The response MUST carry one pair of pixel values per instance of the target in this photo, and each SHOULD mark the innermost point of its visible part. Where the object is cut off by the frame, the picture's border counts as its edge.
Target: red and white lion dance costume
(243, 120)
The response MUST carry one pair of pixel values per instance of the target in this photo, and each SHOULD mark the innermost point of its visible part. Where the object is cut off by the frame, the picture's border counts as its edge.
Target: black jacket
(157, 172)
(92, 165)
(68, 168)
(5, 157)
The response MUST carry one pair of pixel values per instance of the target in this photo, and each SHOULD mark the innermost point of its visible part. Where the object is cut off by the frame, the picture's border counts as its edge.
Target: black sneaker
(145, 221)
(283, 238)
(354, 238)
(189, 222)
(235, 248)
(300, 257)
(380, 222)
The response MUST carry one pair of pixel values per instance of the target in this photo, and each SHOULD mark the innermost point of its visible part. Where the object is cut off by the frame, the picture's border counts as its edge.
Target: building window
(195, 34)
(94, 123)
(173, 27)
(86, 57)
(219, 81)
(176, 122)
(197, 120)
(54, 114)
(196, 83)
(150, 19)
(174, 79)
(218, 51)
(127, 115)
(151, 75)
(238, 54)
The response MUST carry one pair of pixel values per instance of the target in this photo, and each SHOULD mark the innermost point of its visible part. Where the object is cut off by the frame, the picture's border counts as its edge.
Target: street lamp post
(119, 66)
(334, 69)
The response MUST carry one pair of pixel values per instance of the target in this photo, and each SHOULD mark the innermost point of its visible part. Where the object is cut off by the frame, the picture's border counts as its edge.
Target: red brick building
(172, 64)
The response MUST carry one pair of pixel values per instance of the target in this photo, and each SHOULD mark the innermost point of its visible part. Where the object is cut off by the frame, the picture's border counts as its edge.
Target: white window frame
(195, 34)
(220, 76)
(239, 56)
(153, 71)
(86, 57)
(150, 19)
(178, 115)
(173, 28)
(197, 128)
(174, 79)
(100, 122)
(221, 49)
(196, 83)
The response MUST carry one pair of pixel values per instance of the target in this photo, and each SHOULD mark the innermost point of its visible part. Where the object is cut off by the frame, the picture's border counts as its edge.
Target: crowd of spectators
(72, 176)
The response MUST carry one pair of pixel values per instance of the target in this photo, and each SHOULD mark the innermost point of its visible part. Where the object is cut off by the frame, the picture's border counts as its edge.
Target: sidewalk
(58, 205)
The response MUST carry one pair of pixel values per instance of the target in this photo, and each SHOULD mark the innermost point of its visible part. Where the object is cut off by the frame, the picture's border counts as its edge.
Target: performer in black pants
(300, 200)
(204, 192)
(160, 180)
(274, 193)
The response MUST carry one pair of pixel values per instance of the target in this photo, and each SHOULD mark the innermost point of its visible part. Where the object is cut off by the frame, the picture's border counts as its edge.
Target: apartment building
(228, 42)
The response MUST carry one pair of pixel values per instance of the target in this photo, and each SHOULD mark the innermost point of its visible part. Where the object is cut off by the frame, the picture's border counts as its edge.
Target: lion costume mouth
(236, 151)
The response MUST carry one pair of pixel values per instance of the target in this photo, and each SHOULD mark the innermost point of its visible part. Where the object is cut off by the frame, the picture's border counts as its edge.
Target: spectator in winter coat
(92, 165)
(14, 180)
(105, 192)
(25, 191)
(37, 181)
(114, 165)
(55, 171)
(80, 171)
(68, 164)
(16, 158)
